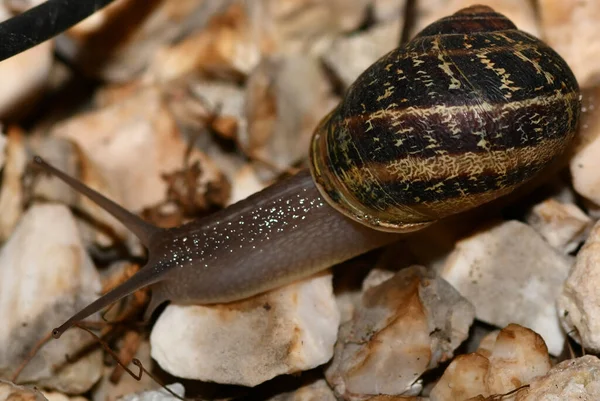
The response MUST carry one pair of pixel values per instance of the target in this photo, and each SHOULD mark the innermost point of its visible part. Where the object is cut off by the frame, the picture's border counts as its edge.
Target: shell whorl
(464, 113)
(468, 21)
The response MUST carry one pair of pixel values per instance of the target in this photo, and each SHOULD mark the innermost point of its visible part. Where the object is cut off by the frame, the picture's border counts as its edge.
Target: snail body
(464, 113)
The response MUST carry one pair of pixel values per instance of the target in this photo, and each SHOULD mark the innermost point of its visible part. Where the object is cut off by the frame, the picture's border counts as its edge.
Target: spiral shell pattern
(464, 113)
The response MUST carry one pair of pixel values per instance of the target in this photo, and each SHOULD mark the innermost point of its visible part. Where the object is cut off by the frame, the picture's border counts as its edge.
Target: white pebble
(511, 275)
(287, 330)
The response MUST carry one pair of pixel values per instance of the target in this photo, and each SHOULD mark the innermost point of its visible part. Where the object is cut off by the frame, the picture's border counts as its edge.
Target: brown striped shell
(464, 113)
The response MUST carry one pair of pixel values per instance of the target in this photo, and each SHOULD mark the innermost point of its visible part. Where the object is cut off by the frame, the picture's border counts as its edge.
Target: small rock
(579, 302)
(570, 27)
(517, 357)
(65, 155)
(11, 190)
(389, 10)
(158, 395)
(46, 277)
(227, 46)
(405, 326)
(133, 143)
(350, 280)
(285, 100)
(287, 330)
(13, 392)
(315, 391)
(198, 106)
(304, 27)
(487, 344)
(511, 275)
(245, 183)
(225, 97)
(463, 378)
(563, 225)
(571, 380)
(377, 276)
(350, 56)
(56, 396)
(585, 164)
(118, 42)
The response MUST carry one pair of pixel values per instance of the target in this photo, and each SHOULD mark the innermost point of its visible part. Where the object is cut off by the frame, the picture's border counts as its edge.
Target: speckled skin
(467, 111)
(441, 126)
(272, 238)
(283, 233)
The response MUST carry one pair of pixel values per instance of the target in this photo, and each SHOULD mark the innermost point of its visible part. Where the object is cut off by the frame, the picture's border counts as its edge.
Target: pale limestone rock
(585, 163)
(304, 27)
(245, 183)
(517, 357)
(132, 143)
(571, 380)
(199, 105)
(118, 42)
(511, 275)
(286, 98)
(579, 303)
(248, 342)
(350, 279)
(404, 326)
(521, 13)
(56, 396)
(46, 277)
(563, 225)
(12, 392)
(350, 56)
(376, 277)
(196, 102)
(225, 97)
(157, 395)
(11, 190)
(389, 10)
(463, 378)
(241, 33)
(227, 45)
(571, 28)
(318, 390)
(487, 343)
(24, 77)
(65, 155)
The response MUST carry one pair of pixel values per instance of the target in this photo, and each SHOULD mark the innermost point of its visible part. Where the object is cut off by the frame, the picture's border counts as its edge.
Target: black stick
(43, 22)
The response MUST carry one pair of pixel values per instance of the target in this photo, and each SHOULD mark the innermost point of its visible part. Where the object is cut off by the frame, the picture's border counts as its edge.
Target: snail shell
(464, 113)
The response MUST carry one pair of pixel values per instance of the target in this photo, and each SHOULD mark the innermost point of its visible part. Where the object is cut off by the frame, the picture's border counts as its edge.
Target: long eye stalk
(144, 231)
(139, 227)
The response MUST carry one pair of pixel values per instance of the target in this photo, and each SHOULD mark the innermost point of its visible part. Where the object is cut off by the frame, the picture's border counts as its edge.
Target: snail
(464, 113)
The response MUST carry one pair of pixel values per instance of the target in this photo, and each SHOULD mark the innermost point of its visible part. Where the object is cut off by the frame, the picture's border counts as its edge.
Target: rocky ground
(178, 108)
